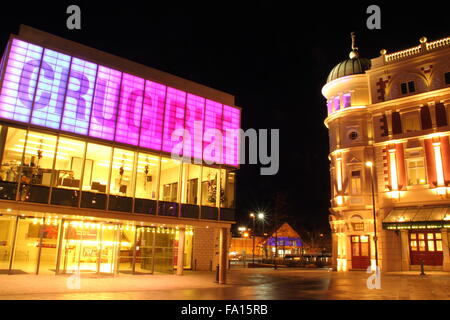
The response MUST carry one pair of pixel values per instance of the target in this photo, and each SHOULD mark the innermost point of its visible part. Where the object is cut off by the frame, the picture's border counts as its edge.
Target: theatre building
(389, 128)
(89, 177)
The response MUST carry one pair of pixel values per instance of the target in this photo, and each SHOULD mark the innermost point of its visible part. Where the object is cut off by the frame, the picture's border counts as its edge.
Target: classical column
(223, 252)
(405, 250)
(445, 250)
(334, 253)
(180, 259)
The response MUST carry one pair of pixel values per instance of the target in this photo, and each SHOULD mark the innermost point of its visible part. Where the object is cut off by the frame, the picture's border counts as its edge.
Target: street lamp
(253, 216)
(375, 239)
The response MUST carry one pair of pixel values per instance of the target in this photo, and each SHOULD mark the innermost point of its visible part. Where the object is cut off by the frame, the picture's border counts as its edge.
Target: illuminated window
(416, 171)
(414, 245)
(169, 179)
(337, 103)
(229, 181)
(38, 159)
(355, 183)
(69, 163)
(147, 176)
(14, 142)
(411, 122)
(97, 168)
(347, 101)
(122, 173)
(190, 187)
(210, 192)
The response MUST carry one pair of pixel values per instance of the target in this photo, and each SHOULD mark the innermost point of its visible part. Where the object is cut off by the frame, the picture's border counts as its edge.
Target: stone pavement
(244, 284)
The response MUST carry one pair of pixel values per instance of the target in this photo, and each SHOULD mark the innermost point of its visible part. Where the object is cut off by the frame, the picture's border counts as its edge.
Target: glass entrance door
(7, 226)
(88, 247)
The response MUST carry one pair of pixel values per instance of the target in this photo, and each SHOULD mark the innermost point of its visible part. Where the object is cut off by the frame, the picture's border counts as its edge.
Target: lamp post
(261, 218)
(253, 216)
(375, 238)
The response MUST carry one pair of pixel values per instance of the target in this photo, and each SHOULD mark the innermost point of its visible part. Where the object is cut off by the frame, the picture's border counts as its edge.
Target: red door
(360, 252)
(426, 246)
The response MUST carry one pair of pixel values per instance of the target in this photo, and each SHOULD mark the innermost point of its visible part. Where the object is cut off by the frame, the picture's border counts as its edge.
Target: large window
(229, 182)
(169, 181)
(191, 184)
(147, 176)
(416, 171)
(69, 163)
(210, 190)
(96, 168)
(355, 182)
(14, 142)
(122, 173)
(411, 122)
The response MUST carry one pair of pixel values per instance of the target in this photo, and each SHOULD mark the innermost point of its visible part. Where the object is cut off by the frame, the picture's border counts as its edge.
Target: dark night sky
(273, 56)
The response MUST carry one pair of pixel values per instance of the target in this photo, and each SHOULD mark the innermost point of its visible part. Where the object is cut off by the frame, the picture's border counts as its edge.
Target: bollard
(422, 270)
(217, 274)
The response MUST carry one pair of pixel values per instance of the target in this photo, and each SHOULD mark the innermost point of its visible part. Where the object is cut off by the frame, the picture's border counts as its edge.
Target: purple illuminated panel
(106, 100)
(174, 117)
(213, 131)
(130, 110)
(153, 115)
(50, 89)
(19, 82)
(79, 93)
(49, 98)
(193, 142)
(230, 129)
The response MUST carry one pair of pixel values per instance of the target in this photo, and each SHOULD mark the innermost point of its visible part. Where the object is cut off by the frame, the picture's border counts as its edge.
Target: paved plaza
(243, 284)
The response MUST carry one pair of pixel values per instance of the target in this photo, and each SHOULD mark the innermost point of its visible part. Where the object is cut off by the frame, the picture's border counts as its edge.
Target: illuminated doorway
(360, 252)
(89, 247)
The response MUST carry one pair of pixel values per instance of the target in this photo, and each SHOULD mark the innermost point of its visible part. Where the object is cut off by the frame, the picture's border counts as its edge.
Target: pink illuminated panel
(52, 84)
(231, 126)
(19, 82)
(130, 109)
(50, 89)
(106, 100)
(174, 117)
(213, 129)
(153, 115)
(79, 93)
(195, 113)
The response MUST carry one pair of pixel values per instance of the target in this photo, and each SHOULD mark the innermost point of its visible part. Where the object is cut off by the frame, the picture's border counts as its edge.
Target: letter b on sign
(374, 21)
(74, 20)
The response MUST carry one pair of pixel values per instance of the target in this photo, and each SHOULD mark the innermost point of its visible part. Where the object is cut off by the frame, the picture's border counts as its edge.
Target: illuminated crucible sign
(46, 88)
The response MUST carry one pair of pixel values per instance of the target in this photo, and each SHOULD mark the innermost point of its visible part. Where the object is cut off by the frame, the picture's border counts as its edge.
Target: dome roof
(354, 65)
(349, 67)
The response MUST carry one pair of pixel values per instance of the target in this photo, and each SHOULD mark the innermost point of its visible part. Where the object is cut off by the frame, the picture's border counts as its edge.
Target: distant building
(286, 240)
(389, 128)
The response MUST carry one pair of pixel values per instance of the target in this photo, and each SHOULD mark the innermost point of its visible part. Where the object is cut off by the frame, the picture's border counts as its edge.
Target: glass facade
(42, 167)
(50, 244)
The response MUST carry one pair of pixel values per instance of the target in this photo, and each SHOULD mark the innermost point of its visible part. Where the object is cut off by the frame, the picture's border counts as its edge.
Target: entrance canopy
(427, 217)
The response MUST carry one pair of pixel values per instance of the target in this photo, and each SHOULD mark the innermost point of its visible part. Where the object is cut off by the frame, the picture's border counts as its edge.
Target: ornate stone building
(388, 121)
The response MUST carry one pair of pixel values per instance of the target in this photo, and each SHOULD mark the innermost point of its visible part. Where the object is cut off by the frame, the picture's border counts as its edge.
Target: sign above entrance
(46, 88)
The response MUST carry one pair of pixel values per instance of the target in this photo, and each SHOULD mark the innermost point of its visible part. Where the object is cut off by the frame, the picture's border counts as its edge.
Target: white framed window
(416, 171)
(411, 122)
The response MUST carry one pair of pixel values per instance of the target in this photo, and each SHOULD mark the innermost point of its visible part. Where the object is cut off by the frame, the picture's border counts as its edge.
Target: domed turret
(354, 65)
